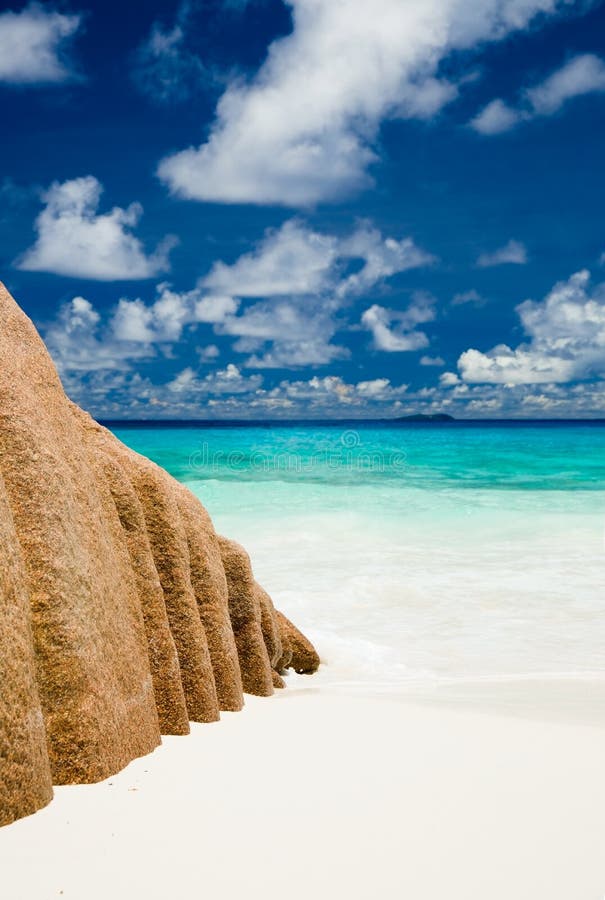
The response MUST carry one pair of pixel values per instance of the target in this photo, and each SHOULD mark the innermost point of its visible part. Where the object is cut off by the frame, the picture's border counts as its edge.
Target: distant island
(426, 417)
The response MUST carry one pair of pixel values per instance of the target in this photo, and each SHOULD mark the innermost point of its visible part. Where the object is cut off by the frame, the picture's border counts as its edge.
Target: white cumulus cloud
(79, 341)
(285, 333)
(280, 304)
(303, 129)
(33, 43)
(301, 282)
(397, 331)
(448, 379)
(383, 258)
(290, 260)
(295, 260)
(566, 340)
(75, 240)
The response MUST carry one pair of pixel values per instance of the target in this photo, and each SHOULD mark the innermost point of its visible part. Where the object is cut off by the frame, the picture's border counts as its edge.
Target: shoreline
(325, 794)
(577, 699)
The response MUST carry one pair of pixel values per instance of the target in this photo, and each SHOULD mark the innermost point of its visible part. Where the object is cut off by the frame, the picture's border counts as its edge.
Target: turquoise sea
(414, 554)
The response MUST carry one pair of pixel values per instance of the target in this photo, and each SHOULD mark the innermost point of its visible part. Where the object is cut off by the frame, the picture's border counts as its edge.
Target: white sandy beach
(320, 794)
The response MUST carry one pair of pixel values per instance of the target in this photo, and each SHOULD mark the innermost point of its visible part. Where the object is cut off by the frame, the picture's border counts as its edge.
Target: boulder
(299, 652)
(122, 614)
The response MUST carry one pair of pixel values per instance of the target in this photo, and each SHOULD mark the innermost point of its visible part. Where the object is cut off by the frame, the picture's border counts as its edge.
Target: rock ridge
(123, 614)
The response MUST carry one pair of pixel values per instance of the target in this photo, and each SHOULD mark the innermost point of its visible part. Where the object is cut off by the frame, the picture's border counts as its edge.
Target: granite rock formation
(123, 615)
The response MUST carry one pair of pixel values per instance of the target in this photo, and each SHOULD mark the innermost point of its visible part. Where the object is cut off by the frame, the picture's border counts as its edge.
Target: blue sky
(321, 208)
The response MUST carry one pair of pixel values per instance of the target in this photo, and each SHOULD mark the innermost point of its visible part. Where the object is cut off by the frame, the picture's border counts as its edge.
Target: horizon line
(411, 420)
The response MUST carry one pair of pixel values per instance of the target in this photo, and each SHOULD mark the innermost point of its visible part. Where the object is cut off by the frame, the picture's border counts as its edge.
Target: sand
(338, 796)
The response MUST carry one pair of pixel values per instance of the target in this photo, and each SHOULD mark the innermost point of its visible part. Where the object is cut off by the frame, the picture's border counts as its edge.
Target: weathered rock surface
(298, 653)
(26, 783)
(122, 614)
(245, 613)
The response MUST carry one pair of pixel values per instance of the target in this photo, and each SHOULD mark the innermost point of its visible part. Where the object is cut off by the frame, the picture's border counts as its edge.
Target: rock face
(123, 615)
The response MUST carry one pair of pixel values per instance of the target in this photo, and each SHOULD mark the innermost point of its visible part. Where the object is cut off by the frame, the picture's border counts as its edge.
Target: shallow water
(414, 555)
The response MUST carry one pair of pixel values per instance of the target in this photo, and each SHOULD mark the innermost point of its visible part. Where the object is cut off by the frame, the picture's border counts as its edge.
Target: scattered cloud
(81, 339)
(303, 130)
(295, 260)
(232, 394)
(505, 366)
(74, 240)
(286, 333)
(514, 252)
(163, 320)
(229, 393)
(214, 308)
(80, 343)
(432, 361)
(208, 353)
(542, 377)
(465, 297)
(584, 74)
(496, 117)
(383, 258)
(487, 401)
(333, 392)
(292, 259)
(448, 379)
(223, 381)
(280, 304)
(34, 44)
(566, 333)
(164, 68)
(301, 281)
(397, 331)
